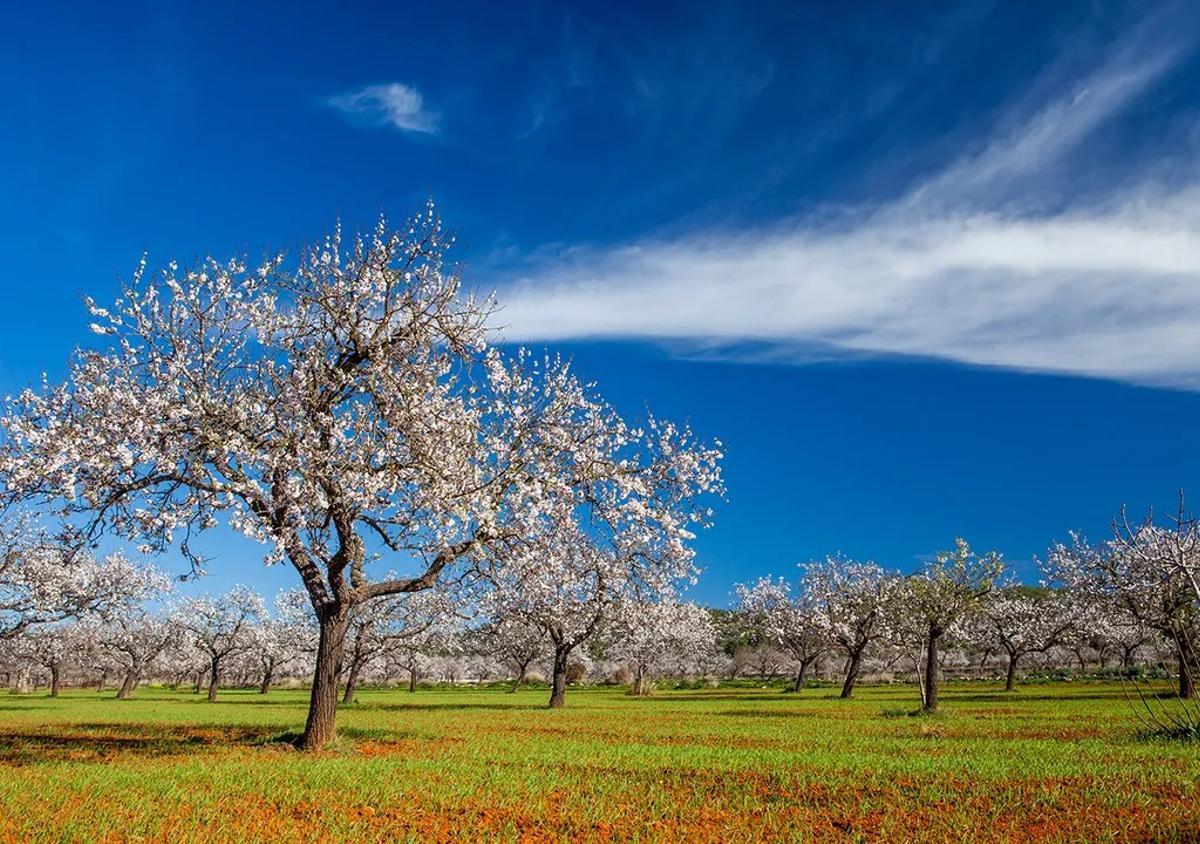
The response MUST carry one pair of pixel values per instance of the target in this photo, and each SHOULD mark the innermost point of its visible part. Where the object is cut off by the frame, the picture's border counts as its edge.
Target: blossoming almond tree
(134, 642)
(852, 598)
(50, 647)
(282, 640)
(609, 517)
(394, 624)
(587, 571)
(792, 622)
(1025, 622)
(1148, 572)
(938, 597)
(516, 644)
(339, 410)
(222, 627)
(651, 637)
(44, 579)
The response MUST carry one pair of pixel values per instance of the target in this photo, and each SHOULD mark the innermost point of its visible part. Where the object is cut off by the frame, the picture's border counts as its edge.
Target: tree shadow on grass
(906, 712)
(772, 713)
(103, 742)
(749, 696)
(1023, 696)
(442, 707)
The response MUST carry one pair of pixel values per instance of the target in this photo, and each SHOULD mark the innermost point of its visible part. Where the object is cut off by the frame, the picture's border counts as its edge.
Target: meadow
(1057, 761)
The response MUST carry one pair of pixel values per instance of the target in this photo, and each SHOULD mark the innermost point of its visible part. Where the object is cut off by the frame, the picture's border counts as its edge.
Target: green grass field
(1050, 762)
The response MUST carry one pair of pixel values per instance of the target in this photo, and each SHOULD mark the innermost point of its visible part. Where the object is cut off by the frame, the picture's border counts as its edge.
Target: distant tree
(134, 642)
(1148, 572)
(793, 623)
(515, 643)
(396, 623)
(651, 636)
(278, 642)
(46, 579)
(945, 590)
(1025, 621)
(50, 647)
(851, 598)
(222, 626)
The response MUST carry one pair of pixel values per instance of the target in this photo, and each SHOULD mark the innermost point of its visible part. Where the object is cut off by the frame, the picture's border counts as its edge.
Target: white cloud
(953, 270)
(393, 104)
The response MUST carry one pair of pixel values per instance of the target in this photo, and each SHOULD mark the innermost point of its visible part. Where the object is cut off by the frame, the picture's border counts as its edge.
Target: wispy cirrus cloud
(392, 104)
(981, 262)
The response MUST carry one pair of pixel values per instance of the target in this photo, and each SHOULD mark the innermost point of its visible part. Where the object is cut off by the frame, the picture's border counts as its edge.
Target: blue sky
(926, 273)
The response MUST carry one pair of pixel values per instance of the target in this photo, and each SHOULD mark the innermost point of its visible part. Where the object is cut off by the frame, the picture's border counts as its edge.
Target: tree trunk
(558, 687)
(102, 681)
(351, 683)
(852, 669)
(268, 676)
(1187, 675)
(639, 683)
(199, 682)
(213, 676)
(931, 670)
(127, 685)
(524, 667)
(54, 678)
(1010, 679)
(321, 727)
(799, 684)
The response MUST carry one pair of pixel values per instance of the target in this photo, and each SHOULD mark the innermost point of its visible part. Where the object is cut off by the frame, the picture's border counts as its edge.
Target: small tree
(46, 579)
(1146, 572)
(851, 598)
(515, 643)
(50, 647)
(401, 622)
(222, 626)
(650, 637)
(134, 642)
(280, 641)
(948, 588)
(792, 623)
(1025, 621)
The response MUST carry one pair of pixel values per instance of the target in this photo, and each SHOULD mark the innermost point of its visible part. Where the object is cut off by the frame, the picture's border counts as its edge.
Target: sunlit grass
(1056, 762)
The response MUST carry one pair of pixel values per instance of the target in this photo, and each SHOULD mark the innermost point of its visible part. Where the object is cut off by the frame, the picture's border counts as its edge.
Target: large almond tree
(343, 409)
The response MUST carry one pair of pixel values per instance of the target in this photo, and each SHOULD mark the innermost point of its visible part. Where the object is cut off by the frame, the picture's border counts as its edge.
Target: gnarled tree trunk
(54, 678)
(640, 687)
(931, 669)
(351, 683)
(1010, 679)
(801, 674)
(321, 726)
(521, 671)
(268, 676)
(213, 677)
(127, 685)
(852, 669)
(1187, 666)
(558, 685)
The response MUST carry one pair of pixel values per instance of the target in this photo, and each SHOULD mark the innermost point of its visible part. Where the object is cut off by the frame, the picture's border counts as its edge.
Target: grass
(1051, 762)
